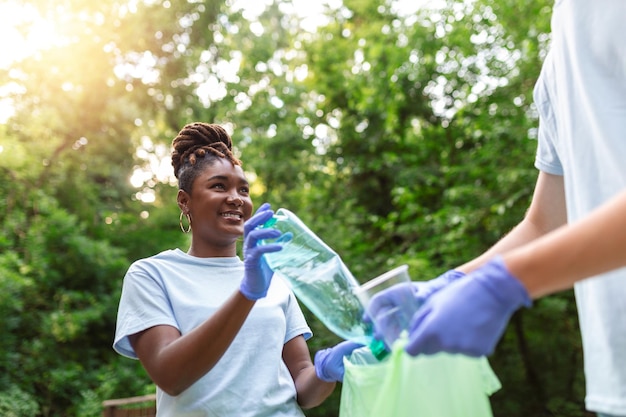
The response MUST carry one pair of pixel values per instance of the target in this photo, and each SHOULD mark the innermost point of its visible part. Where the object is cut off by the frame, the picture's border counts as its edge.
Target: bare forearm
(546, 213)
(522, 234)
(311, 390)
(178, 364)
(583, 249)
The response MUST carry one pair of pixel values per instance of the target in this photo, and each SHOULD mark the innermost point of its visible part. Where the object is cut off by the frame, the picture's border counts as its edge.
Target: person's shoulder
(152, 269)
(166, 256)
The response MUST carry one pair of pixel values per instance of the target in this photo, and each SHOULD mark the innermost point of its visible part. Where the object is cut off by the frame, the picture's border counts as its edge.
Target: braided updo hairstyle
(196, 146)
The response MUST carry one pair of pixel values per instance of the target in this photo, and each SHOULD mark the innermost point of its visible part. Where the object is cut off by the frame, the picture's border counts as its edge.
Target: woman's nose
(236, 201)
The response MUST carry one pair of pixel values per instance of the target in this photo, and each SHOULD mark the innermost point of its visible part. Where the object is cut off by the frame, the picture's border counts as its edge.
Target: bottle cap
(269, 223)
(379, 350)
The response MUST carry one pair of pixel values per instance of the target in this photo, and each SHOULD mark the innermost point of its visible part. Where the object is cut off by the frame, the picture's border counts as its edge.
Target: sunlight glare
(17, 45)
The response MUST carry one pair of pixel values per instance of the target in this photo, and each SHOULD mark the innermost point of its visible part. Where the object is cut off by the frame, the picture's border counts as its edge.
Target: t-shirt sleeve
(143, 304)
(296, 323)
(546, 159)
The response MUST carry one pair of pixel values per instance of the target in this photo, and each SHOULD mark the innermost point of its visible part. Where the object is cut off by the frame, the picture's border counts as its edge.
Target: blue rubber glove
(416, 293)
(329, 362)
(257, 273)
(469, 315)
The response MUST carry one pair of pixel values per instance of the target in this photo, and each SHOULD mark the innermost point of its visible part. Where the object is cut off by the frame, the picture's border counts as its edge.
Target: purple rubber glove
(416, 293)
(329, 362)
(427, 288)
(257, 275)
(469, 315)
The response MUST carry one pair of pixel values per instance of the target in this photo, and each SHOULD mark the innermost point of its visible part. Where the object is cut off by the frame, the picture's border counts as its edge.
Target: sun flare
(23, 32)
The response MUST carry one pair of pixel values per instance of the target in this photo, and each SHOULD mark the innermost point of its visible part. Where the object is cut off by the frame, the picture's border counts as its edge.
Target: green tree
(397, 137)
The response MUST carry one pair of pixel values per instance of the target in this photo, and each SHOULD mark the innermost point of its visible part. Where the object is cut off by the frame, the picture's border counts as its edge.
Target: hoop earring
(180, 222)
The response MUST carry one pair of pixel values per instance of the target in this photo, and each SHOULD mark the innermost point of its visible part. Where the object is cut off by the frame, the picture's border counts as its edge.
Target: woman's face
(219, 203)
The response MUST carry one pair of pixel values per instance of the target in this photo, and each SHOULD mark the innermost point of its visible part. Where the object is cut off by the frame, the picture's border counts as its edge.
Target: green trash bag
(441, 385)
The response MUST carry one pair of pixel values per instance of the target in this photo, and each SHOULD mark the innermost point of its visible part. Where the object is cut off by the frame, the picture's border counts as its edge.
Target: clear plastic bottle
(363, 356)
(320, 280)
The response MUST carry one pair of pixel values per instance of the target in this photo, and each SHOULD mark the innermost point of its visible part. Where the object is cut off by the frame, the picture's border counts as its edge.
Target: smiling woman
(189, 317)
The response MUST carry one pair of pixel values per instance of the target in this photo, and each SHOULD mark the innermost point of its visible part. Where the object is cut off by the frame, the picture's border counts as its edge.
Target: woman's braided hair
(195, 146)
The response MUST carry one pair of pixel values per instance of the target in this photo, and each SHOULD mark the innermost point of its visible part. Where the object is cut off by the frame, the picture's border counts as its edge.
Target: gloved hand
(469, 315)
(425, 289)
(416, 293)
(257, 275)
(329, 362)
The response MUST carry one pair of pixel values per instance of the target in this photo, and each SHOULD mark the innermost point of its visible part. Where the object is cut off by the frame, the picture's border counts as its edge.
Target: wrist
(250, 294)
(503, 284)
(320, 363)
(246, 296)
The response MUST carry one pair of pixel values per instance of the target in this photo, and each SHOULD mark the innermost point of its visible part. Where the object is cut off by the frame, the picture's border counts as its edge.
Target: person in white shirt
(574, 233)
(220, 336)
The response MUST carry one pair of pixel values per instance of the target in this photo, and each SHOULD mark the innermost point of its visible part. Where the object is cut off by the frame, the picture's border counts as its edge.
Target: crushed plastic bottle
(320, 280)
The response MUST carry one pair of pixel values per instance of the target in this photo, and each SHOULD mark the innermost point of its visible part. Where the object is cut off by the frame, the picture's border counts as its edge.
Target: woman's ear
(183, 201)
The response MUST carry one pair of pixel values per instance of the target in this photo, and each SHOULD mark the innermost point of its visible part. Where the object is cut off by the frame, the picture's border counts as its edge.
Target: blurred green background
(400, 132)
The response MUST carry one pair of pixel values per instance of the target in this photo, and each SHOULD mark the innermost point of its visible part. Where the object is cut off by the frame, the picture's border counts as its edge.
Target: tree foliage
(397, 136)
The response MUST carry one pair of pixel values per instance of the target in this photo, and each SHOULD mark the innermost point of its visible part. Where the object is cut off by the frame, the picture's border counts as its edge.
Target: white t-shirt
(581, 98)
(251, 379)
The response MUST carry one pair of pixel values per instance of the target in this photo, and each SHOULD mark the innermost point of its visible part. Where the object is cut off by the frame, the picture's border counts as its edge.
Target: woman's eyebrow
(226, 178)
(217, 177)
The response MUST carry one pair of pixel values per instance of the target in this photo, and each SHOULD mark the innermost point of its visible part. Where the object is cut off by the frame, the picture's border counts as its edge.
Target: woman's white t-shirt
(179, 290)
